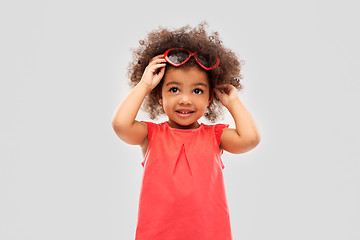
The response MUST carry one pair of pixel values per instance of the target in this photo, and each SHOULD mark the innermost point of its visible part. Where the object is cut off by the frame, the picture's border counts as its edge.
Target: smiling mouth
(185, 112)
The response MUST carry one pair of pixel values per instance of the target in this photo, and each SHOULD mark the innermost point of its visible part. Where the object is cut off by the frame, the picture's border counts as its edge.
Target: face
(185, 96)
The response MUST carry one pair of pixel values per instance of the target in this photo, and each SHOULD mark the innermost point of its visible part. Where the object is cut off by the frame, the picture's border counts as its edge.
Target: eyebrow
(179, 83)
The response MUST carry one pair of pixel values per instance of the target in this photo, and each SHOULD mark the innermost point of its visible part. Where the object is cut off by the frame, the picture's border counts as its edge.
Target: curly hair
(193, 39)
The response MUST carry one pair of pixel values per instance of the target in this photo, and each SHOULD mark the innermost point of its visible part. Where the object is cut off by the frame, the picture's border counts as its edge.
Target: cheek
(203, 102)
(167, 101)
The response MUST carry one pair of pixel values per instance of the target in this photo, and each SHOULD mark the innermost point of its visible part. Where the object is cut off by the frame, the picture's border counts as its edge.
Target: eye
(198, 91)
(174, 90)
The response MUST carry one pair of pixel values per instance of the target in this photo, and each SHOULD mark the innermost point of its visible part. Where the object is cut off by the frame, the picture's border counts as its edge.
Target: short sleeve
(150, 129)
(218, 131)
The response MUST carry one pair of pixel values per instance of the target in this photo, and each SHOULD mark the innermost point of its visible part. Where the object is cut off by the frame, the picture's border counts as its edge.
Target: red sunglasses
(179, 56)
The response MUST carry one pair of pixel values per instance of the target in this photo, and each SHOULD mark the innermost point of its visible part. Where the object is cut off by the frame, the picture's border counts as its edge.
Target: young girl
(185, 73)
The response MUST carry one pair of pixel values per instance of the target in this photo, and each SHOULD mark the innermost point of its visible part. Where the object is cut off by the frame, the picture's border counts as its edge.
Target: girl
(186, 74)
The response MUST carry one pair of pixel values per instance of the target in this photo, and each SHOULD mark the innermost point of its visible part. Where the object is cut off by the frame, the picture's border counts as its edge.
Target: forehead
(186, 76)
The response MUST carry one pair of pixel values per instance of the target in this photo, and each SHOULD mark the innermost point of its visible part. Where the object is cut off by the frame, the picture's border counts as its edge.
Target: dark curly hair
(193, 39)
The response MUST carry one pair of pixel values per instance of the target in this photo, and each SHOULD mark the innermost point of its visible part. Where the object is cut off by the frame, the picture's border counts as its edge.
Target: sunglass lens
(206, 60)
(178, 56)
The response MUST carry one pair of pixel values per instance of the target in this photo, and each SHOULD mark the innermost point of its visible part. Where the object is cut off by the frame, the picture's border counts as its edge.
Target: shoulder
(153, 127)
(216, 129)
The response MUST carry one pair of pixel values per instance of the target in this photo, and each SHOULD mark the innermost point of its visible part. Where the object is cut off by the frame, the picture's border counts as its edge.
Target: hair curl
(193, 39)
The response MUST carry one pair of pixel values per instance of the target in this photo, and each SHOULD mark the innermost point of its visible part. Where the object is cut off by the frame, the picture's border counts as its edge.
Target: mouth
(184, 113)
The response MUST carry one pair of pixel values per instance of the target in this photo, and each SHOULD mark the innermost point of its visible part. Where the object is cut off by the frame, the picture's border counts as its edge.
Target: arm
(124, 124)
(246, 136)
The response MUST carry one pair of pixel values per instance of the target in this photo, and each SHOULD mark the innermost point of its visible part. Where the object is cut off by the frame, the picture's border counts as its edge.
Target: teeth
(183, 112)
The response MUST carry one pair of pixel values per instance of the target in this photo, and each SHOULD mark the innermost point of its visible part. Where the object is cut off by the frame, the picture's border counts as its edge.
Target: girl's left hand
(226, 93)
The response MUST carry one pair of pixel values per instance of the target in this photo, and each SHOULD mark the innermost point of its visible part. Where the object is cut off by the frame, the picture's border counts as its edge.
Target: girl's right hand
(154, 72)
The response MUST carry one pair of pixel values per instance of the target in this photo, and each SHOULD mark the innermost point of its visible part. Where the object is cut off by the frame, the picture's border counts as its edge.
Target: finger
(222, 91)
(218, 91)
(223, 86)
(157, 57)
(157, 61)
(226, 88)
(218, 95)
(155, 68)
(161, 72)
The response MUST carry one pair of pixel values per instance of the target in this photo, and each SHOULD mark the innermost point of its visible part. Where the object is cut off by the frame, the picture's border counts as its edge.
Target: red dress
(182, 193)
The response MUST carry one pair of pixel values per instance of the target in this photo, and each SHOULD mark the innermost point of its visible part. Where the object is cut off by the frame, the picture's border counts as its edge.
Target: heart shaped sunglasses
(179, 56)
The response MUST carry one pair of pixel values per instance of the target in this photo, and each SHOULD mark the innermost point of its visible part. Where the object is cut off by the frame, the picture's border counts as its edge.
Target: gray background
(64, 173)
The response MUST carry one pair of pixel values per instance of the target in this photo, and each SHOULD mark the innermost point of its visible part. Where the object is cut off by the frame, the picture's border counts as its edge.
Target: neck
(194, 125)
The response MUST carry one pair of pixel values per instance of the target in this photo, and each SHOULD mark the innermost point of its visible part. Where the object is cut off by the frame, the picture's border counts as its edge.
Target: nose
(185, 99)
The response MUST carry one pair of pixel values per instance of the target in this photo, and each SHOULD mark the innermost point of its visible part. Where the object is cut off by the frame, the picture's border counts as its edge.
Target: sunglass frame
(191, 54)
